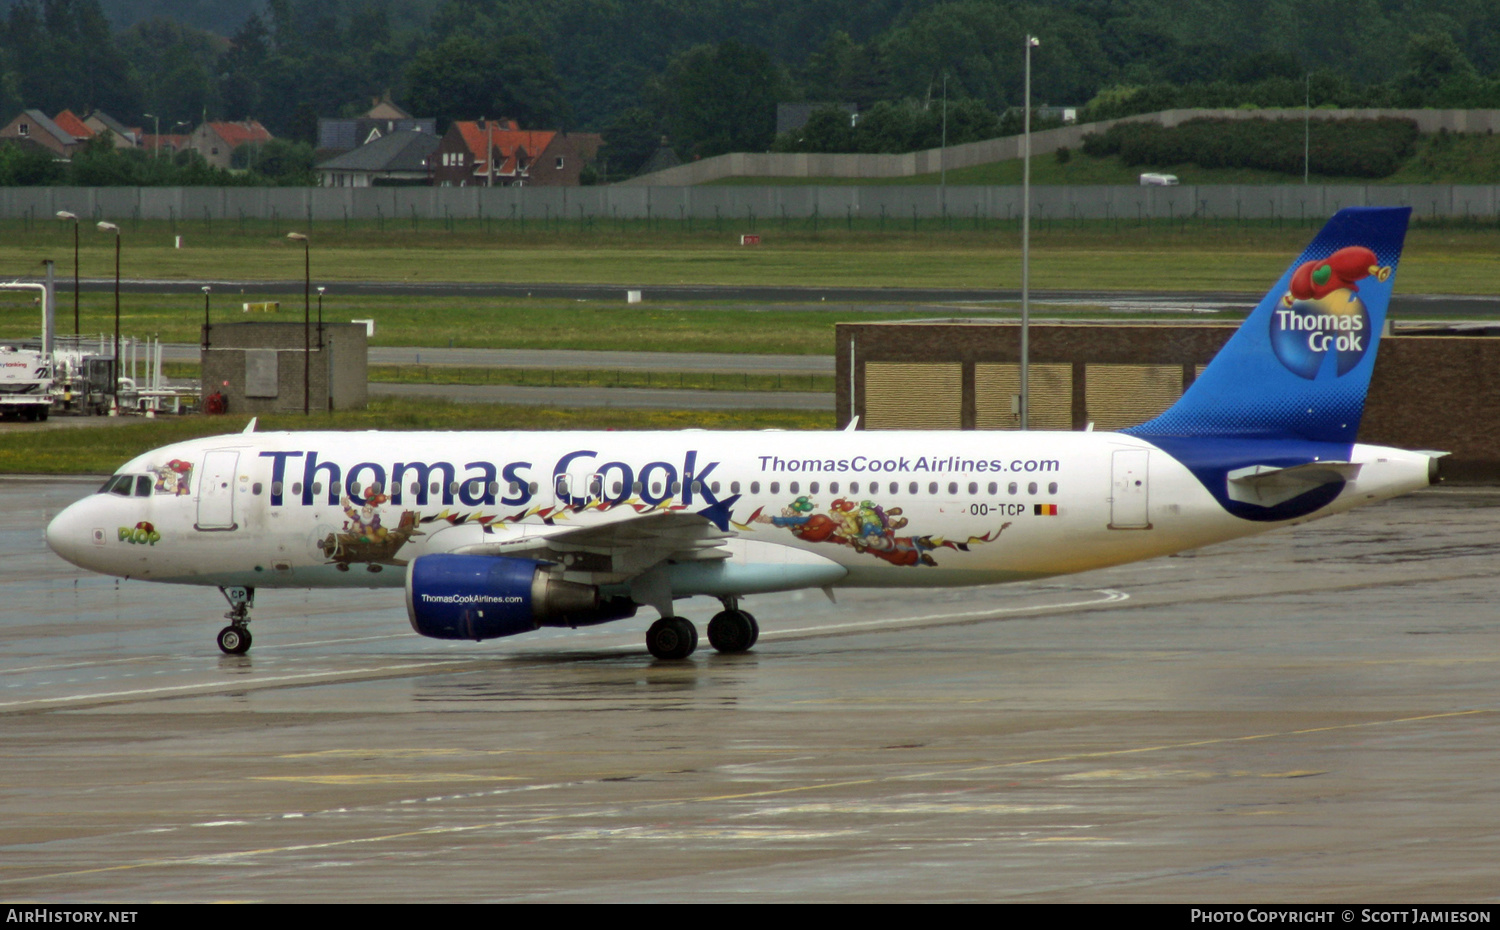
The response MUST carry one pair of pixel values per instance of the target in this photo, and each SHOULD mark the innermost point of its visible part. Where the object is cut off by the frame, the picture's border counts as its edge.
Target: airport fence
(734, 208)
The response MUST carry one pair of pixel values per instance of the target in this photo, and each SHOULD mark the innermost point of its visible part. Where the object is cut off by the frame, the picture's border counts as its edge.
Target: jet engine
(484, 597)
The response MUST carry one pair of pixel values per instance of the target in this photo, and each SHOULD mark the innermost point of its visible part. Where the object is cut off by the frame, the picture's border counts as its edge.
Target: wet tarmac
(1309, 716)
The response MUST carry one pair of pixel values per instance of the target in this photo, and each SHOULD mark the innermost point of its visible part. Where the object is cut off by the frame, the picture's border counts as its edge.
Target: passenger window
(812, 488)
(1012, 487)
(953, 488)
(755, 487)
(677, 487)
(973, 487)
(854, 487)
(793, 487)
(1031, 488)
(494, 487)
(776, 487)
(619, 486)
(911, 488)
(416, 488)
(1052, 488)
(255, 489)
(833, 487)
(434, 488)
(635, 487)
(276, 488)
(734, 487)
(932, 487)
(994, 487)
(532, 487)
(697, 487)
(317, 487)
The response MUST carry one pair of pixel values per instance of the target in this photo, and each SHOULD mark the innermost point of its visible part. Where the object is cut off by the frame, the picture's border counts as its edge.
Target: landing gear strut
(733, 630)
(235, 639)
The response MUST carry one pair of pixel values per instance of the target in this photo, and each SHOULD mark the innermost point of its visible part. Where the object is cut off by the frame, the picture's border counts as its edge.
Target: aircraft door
(216, 491)
(1130, 491)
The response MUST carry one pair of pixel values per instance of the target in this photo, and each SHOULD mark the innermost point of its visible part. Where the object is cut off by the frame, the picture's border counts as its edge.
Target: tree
(721, 98)
(629, 140)
(465, 78)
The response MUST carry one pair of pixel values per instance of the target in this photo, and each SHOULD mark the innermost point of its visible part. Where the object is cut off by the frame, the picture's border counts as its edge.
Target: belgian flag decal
(1045, 510)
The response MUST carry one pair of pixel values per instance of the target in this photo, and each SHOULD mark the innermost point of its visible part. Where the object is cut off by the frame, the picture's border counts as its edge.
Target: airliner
(494, 534)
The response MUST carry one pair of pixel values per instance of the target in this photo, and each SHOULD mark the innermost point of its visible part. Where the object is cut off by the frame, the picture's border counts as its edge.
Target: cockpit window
(142, 486)
(119, 484)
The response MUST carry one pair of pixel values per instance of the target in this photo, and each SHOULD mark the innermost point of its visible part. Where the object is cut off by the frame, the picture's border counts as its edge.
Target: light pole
(943, 152)
(156, 140)
(306, 319)
(321, 289)
(114, 390)
(206, 289)
(1031, 43)
(65, 215)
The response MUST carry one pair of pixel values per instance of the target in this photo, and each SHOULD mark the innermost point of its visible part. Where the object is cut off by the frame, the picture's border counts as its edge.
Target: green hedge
(1358, 148)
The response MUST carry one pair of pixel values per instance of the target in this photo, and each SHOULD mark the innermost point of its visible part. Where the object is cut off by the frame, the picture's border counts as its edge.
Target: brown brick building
(522, 157)
(1439, 390)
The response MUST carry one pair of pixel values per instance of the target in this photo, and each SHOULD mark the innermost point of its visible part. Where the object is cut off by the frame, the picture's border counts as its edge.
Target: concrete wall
(337, 371)
(1427, 392)
(1044, 142)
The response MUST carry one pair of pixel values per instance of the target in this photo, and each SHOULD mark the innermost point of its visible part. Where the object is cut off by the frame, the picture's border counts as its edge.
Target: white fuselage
(823, 509)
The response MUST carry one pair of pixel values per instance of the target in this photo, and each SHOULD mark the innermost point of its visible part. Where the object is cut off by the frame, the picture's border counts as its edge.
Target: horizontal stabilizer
(1268, 485)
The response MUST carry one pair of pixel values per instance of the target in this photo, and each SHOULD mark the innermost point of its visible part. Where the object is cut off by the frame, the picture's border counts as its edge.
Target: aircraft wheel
(732, 631)
(672, 638)
(754, 629)
(234, 640)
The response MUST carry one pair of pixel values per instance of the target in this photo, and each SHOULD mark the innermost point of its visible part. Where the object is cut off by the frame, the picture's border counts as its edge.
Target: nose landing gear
(234, 639)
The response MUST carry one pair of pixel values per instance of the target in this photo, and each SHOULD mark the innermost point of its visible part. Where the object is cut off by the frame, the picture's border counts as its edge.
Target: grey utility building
(258, 367)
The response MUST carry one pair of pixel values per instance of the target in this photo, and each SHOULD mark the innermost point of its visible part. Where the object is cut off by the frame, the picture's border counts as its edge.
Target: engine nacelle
(484, 597)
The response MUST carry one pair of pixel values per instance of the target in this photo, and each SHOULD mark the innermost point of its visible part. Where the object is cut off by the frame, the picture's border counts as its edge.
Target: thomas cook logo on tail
(1321, 313)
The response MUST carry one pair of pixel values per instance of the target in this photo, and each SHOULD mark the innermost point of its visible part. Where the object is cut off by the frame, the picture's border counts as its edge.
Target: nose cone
(71, 536)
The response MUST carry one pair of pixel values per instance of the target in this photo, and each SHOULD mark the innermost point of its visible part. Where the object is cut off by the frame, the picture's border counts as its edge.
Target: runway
(1308, 716)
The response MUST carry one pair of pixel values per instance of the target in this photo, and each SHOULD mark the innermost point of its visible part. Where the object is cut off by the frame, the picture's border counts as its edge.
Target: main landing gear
(234, 639)
(731, 630)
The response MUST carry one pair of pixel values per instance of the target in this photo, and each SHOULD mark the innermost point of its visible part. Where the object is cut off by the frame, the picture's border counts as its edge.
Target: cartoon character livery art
(866, 527)
(495, 534)
(364, 539)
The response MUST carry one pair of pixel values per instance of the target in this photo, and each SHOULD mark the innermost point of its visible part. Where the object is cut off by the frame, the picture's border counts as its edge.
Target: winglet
(250, 427)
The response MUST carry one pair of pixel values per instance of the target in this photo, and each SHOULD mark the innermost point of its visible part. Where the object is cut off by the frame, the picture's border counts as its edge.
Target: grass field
(102, 449)
(1191, 255)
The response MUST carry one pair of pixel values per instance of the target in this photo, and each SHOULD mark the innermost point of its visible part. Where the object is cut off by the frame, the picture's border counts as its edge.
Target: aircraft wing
(1269, 485)
(619, 549)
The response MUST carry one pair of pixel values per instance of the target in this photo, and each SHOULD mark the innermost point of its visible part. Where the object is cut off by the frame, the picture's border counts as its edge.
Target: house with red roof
(69, 123)
(499, 153)
(216, 142)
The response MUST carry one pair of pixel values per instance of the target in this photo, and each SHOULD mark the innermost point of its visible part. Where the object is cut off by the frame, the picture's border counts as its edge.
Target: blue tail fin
(1300, 365)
